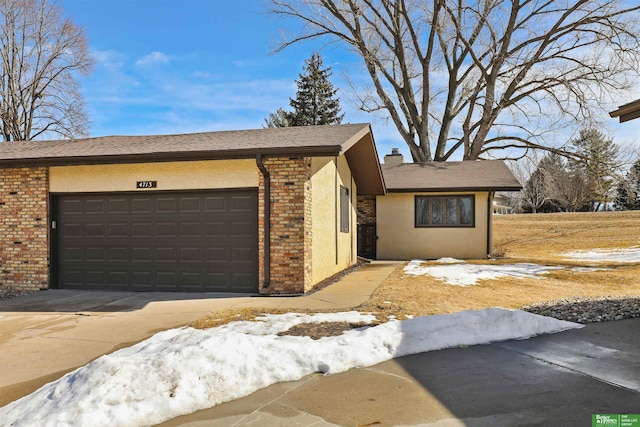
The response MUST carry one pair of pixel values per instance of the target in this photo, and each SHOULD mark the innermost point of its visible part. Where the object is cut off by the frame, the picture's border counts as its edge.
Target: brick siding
(24, 244)
(290, 225)
(366, 209)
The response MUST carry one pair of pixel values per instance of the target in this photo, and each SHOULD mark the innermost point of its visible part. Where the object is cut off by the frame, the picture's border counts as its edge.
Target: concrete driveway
(47, 334)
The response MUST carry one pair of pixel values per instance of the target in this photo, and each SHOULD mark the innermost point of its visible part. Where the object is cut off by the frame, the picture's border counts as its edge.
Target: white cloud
(153, 58)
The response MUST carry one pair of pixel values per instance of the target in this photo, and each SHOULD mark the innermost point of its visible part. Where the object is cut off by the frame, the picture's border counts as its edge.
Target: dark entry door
(367, 240)
(173, 241)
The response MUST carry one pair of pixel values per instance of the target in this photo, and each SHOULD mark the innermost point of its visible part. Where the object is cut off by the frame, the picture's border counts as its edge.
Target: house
(627, 111)
(501, 204)
(433, 210)
(189, 212)
(185, 212)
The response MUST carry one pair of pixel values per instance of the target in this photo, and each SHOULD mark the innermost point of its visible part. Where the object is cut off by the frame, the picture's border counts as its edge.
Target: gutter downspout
(489, 223)
(267, 222)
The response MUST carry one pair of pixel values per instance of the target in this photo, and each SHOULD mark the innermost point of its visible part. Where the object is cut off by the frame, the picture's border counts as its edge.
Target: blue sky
(167, 66)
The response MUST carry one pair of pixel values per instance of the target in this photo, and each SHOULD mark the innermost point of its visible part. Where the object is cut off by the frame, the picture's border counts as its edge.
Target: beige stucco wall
(196, 175)
(332, 250)
(398, 239)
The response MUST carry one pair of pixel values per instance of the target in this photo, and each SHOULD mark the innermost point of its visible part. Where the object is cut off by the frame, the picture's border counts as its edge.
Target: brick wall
(290, 225)
(24, 240)
(366, 208)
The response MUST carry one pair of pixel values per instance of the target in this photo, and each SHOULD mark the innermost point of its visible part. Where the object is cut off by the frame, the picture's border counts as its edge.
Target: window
(444, 211)
(344, 209)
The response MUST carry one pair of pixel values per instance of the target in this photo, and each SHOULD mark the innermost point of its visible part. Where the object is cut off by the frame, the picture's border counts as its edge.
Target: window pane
(452, 211)
(344, 209)
(436, 211)
(422, 211)
(465, 211)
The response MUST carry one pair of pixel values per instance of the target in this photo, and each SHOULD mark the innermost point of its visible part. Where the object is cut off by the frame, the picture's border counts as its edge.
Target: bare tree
(40, 53)
(479, 75)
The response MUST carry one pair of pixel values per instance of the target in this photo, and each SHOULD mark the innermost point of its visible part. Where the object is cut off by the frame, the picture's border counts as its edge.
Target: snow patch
(179, 371)
(606, 255)
(468, 274)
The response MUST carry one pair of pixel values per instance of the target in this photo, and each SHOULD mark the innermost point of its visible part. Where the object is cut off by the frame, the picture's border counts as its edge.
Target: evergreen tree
(598, 163)
(628, 191)
(315, 102)
(279, 119)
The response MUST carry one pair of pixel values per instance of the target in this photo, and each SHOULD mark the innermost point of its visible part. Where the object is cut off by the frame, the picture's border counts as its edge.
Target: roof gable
(481, 175)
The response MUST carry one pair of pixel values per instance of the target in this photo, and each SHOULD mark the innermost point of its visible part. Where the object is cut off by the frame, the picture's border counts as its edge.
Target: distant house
(628, 111)
(501, 204)
(268, 211)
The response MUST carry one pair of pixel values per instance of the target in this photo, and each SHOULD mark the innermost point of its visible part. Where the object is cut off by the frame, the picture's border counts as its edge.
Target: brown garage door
(174, 241)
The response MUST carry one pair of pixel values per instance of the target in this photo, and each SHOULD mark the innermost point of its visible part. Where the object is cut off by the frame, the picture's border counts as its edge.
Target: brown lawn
(539, 239)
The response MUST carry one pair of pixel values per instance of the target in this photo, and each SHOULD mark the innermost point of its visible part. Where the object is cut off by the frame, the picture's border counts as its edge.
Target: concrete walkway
(47, 334)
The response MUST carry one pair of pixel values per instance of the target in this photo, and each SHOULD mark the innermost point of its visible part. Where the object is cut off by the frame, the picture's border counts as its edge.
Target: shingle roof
(237, 143)
(482, 175)
(355, 141)
(627, 111)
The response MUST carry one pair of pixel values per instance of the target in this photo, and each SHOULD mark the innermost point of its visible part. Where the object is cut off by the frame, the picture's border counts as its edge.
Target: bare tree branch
(448, 71)
(40, 53)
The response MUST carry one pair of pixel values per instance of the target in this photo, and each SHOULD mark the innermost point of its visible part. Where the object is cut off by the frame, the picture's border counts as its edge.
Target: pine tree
(628, 191)
(315, 102)
(279, 119)
(599, 161)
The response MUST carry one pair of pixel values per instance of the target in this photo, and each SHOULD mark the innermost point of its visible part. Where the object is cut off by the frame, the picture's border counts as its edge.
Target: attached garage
(263, 211)
(167, 241)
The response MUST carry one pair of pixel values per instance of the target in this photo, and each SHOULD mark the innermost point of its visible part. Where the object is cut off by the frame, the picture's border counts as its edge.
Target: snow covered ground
(606, 255)
(457, 272)
(183, 370)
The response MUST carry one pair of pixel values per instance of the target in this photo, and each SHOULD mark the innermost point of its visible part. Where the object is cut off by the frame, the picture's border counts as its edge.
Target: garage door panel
(216, 255)
(95, 207)
(141, 206)
(190, 255)
(118, 230)
(204, 241)
(141, 255)
(118, 206)
(190, 229)
(71, 207)
(190, 204)
(141, 229)
(242, 203)
(166, 229)
(166, 205)
(216, 204)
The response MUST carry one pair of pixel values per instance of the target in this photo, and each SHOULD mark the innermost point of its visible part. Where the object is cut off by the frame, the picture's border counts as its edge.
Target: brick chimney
(395, 158)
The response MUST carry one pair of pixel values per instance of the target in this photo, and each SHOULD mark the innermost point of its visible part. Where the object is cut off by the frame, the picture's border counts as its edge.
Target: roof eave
(627, 112)
(312, 151)
(454, 189)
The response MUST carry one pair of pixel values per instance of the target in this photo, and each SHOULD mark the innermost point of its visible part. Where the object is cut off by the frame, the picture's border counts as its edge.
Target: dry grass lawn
(539, 239)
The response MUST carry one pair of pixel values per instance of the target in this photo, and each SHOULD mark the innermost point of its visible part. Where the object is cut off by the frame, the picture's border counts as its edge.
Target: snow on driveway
(606, 255)
(182, 370)
(457, 272)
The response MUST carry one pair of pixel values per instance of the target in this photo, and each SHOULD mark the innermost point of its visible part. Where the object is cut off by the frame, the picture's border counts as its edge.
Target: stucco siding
(399, 239)
(214, 174)
(332, 249)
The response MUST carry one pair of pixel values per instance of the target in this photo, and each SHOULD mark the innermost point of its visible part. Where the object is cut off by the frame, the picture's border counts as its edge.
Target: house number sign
(146, 184)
